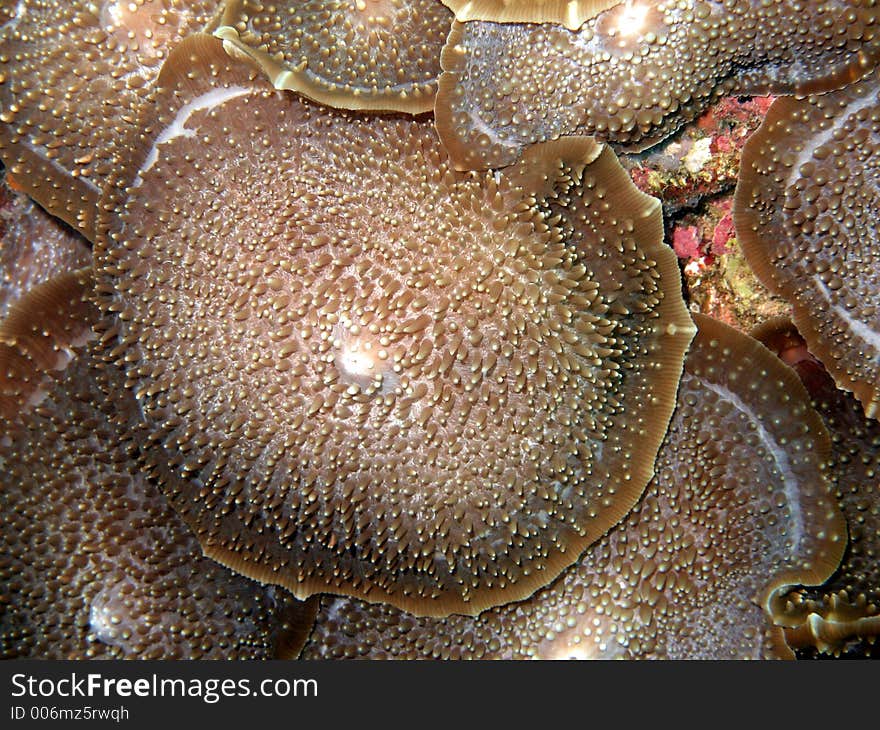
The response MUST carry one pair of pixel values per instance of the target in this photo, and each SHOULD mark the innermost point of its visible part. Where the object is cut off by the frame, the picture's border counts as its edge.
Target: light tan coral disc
(740, 509)
(639, 71)
(806, 214)
(95, 563)
(570, 13)
(71, 73)
(384, 378)
(34, 247)
(349, 54)
(842, 616)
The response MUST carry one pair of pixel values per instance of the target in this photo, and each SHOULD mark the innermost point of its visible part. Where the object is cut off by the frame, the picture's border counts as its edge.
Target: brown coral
(95, 563)
(806, 215)
(633, 83)
(843, 614)
(740, 509)
(71, 74)
(368, 54)
(38, 335)
(381, 377)
(34, 247)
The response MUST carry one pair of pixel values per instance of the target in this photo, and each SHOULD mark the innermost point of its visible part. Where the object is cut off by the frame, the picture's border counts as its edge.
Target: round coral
(382, 377)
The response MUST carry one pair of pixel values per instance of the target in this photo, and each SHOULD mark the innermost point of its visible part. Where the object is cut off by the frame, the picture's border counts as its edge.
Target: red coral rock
(686, 242)
(724, 231)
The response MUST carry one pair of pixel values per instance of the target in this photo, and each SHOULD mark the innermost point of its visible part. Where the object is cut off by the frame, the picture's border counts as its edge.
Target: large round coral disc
(386, 378)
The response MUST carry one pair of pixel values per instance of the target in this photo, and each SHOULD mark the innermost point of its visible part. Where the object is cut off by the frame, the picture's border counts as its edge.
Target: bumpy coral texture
(571, 13)
(34, 247)
(806, 212)
(95, 563)
(639, 71)
(694, 571)
(383, 377)
(842, 616)
(71, 74)
(370, 54)
(346, 367)
(38, 335)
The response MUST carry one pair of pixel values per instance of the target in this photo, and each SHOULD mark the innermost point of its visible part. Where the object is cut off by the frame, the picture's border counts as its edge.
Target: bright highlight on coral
(631, 20)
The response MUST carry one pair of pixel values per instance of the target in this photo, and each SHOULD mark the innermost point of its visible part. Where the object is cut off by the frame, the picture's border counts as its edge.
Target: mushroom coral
(34, 247)
(740, 510)
(571, 13)
(71, 73)
(95, 563)
(369, 54)
(842, 616)
(332, 362)
(806, 211)
(634, 81)
(37, 336)
(378, 376)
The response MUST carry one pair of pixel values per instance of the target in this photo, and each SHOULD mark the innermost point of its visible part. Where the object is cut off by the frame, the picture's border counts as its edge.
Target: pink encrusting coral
(724, 231)
(686, 242)
(701, 163)
(695, 173)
